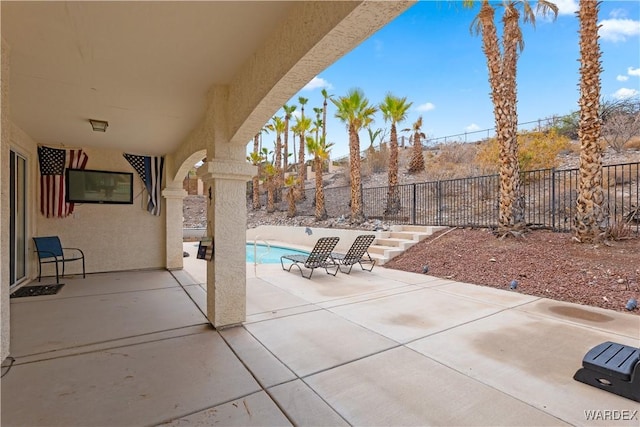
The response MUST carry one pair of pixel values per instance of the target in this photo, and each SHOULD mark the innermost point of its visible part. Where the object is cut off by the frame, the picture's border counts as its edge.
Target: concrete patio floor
(384, 348)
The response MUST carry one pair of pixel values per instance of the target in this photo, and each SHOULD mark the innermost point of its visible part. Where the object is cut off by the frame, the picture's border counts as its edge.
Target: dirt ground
(543, 263)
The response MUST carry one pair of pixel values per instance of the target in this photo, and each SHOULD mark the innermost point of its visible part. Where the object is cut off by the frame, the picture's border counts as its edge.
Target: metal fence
(549, 195)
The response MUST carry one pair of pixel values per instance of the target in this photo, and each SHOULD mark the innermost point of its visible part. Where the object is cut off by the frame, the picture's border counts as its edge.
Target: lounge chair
(358, 253)
(50, 250)
(320, 256)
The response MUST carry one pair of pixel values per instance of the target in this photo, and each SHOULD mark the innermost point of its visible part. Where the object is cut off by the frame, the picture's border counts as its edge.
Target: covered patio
(382, 348)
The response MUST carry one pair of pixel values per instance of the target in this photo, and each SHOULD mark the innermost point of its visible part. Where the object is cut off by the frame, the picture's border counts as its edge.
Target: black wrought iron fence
(549, 197)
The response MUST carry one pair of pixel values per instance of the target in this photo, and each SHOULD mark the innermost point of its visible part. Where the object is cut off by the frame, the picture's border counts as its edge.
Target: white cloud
(618, 13)
(622, 78)
(472, 128)
(316, 83)
(617, 30)
(427, 106)
(633, 71)
(625, 93)
(566, 7)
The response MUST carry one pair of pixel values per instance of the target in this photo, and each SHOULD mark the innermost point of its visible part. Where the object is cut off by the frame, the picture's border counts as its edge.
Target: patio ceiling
(145, 67)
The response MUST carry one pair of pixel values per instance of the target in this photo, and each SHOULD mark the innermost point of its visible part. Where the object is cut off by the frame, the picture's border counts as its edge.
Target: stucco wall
(113, 237)
(4, 200)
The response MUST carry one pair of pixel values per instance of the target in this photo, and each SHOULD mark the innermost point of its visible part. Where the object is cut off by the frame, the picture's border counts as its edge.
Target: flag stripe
(150, 170)
(53, 162)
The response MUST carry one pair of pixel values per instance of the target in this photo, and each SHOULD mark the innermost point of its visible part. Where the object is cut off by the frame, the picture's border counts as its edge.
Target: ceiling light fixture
(99, 125)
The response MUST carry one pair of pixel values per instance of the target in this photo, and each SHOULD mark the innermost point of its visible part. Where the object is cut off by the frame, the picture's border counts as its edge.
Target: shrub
(633, 144)
(536, 150)
(376, 161)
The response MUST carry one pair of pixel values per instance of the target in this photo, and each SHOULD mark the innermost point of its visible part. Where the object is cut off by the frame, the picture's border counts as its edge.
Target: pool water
(269, 254)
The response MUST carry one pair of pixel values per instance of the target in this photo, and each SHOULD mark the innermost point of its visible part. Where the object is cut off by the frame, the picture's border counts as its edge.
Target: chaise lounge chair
(320, 256)
(358, 253)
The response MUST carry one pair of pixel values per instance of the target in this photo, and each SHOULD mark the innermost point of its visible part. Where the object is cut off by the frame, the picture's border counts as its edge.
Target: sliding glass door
(17, 218)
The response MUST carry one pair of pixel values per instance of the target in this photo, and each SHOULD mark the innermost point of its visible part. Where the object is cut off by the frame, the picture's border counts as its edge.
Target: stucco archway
(174, 195)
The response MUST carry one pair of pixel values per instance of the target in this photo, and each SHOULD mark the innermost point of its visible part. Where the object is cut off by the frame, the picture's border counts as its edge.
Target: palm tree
(278, 127)
(325, 96)
(294, 133)
(373, 135)
(394, 110)
(288, 112)
(271, 178)
(303, 101)
(590, 201)
(354, 110)
(292, 184)
(502, 80)
(417, 159)
(303, 124)
(318, 121)
(257, 158)
(254, 159)
(320, 150)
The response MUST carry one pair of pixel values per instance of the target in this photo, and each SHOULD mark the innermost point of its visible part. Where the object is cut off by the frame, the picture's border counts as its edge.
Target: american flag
(53, 162)
(150, 170)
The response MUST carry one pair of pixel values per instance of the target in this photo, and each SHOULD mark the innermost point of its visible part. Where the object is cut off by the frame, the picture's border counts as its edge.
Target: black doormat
(35, 291)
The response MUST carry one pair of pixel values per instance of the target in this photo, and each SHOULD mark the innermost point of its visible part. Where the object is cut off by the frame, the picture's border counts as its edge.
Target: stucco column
(225, 183)
(174, 201)
(5, 125)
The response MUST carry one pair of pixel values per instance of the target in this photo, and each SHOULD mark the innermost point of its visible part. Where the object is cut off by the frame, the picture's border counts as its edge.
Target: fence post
(439, 200)
(413, 206)
(553, 199)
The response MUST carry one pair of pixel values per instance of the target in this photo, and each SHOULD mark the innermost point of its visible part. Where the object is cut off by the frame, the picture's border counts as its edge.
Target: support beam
(225, 176)
(225, 189)
(174, 202)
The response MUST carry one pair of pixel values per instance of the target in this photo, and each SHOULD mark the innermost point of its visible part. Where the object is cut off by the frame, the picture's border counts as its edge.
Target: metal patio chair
(358, 253)
(50, 250)
(320, 256)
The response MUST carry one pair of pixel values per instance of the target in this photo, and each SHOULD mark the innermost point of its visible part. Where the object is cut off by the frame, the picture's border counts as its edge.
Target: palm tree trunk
(278, 179)
(502, 82)
(512, 208)
(417, 159)
(256, 192)
(321, 212)
(256, 179)
(302, 169)
(285, 151)
(590, 213)
(357, 216)
(271, 207)
(291, 198)
(393, 200)
(324, 120)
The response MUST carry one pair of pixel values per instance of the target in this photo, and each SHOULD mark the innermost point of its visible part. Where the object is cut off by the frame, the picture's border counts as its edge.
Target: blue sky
(428, 55)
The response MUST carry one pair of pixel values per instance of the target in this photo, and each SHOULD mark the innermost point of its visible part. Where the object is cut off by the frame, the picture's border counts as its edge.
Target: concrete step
(390, 244)
(387, 241)
(409, 235)
(385, 252)
(416, 228)
(380, 249)
(379, 259)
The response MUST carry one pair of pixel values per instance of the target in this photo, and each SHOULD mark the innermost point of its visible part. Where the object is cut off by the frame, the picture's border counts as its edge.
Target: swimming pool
(269, 254)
